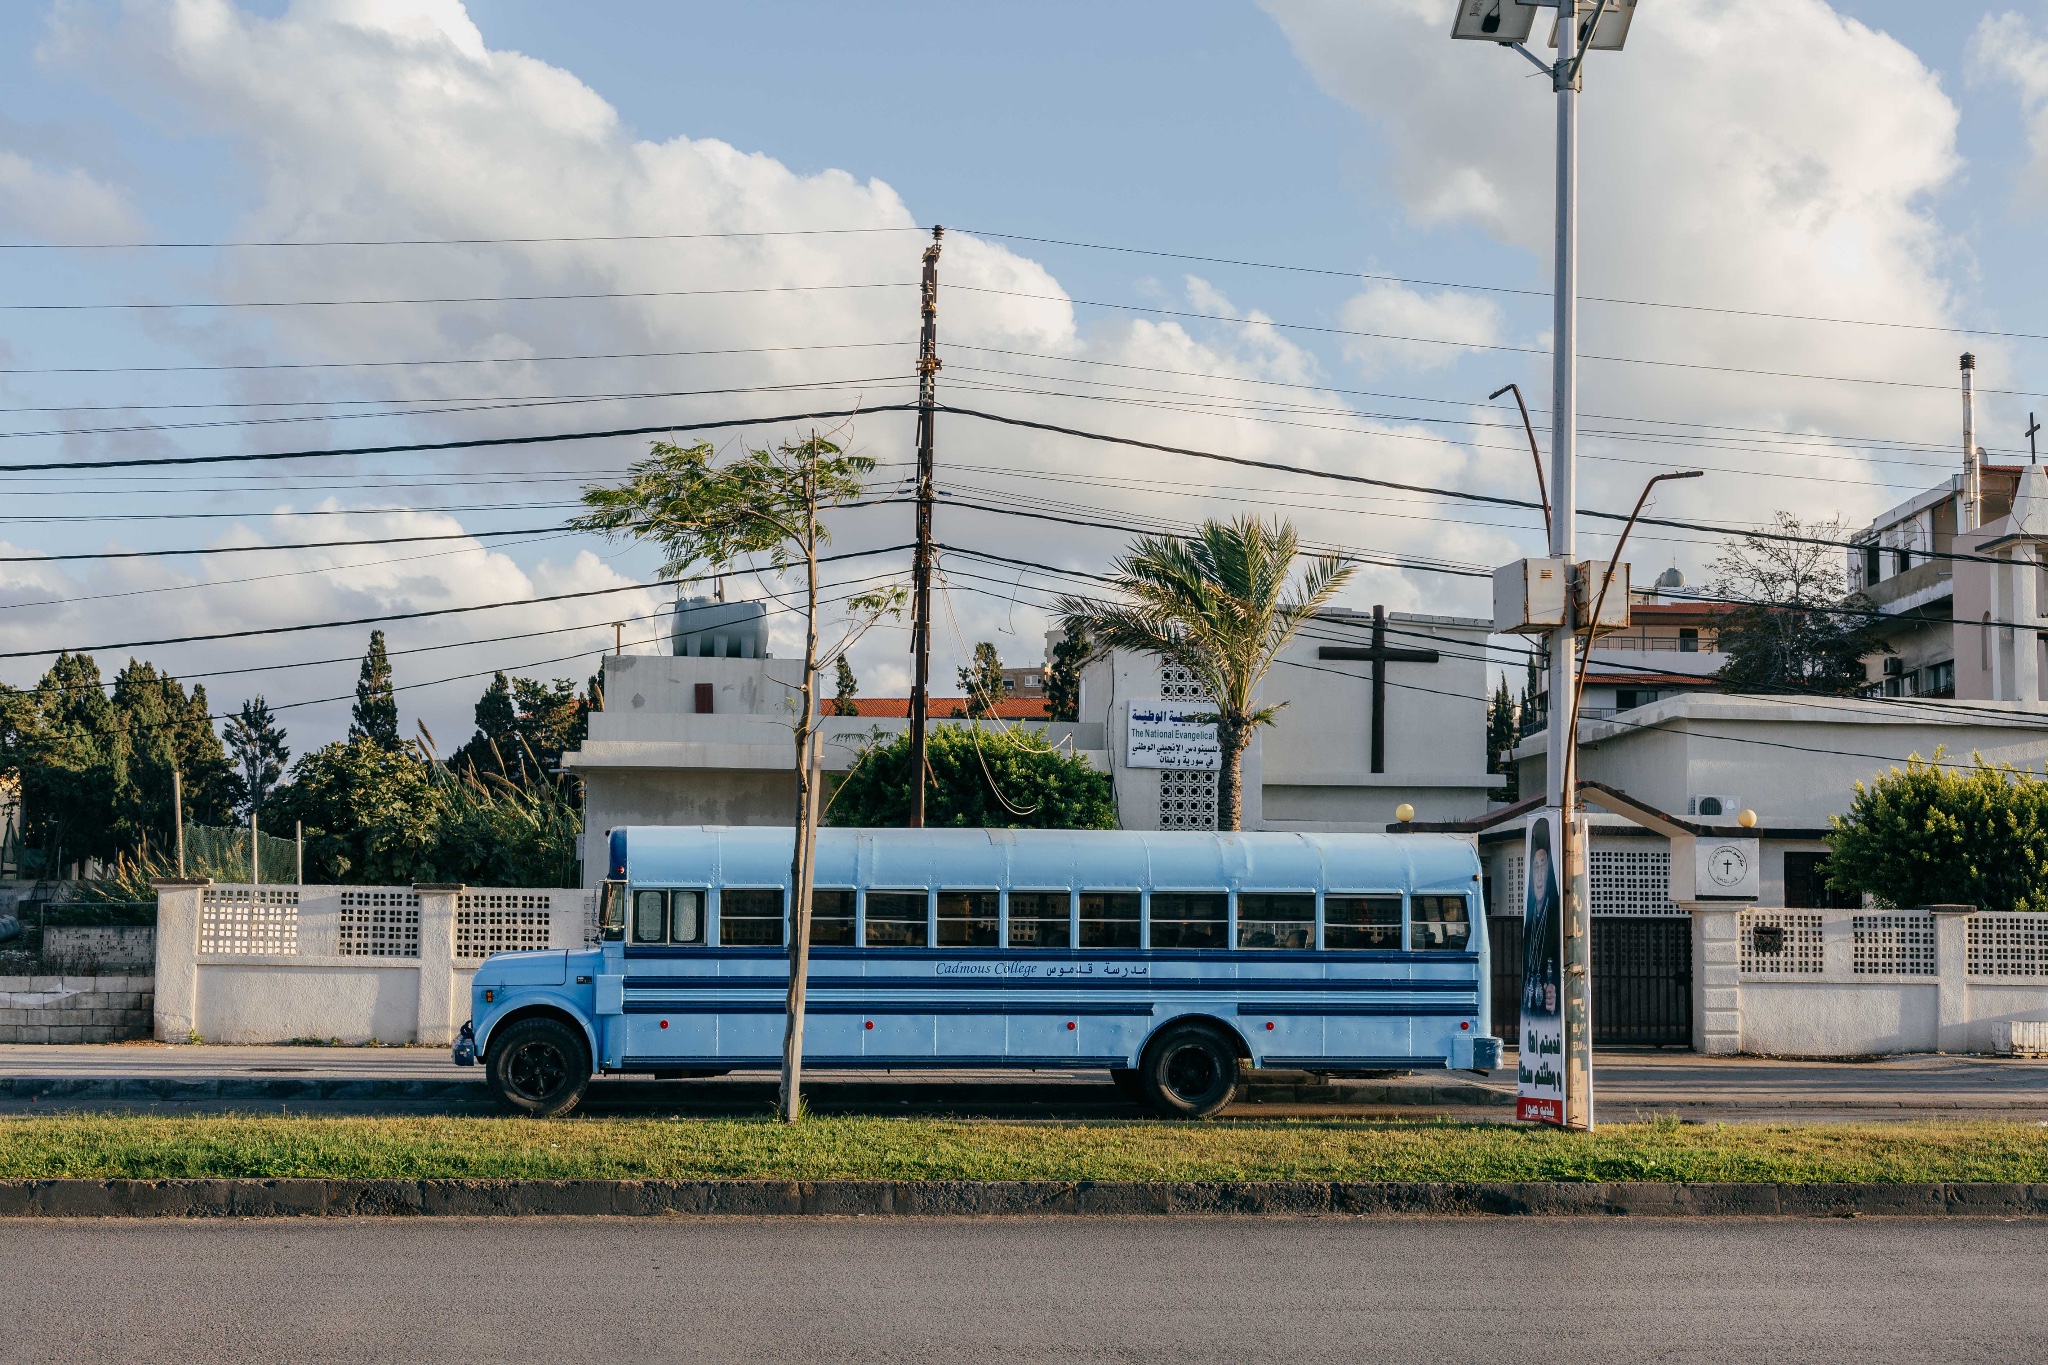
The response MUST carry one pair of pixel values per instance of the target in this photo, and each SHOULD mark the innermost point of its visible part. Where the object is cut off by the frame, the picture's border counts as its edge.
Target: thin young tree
(1222, 604)
(706, 517)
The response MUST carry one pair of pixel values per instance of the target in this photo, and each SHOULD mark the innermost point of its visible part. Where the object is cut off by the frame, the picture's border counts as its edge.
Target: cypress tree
(375, 717)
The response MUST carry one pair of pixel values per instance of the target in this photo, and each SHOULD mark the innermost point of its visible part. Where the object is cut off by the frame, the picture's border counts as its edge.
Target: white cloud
(1396, 313)
(2004, 48)
(50, 204)
(1743, 154)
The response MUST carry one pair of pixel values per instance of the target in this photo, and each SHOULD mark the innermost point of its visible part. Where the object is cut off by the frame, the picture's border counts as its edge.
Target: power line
(481, 360)
(1465, 345)
(452, 299)
(474, 443)
(409, 615)
(452, 241)
(1506, 289)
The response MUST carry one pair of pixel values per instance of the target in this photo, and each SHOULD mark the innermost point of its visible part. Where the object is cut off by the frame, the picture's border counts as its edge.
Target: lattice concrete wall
(1781, 943)
(1893, 945)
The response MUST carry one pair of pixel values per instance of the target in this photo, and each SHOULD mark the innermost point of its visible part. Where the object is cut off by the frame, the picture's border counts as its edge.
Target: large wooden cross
(1380, 656)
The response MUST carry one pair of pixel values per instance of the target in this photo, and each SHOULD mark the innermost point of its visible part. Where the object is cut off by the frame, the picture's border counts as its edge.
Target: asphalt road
(567, 1290)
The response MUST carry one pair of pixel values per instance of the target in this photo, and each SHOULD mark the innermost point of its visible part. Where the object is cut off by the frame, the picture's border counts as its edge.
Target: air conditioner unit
(1714, 807)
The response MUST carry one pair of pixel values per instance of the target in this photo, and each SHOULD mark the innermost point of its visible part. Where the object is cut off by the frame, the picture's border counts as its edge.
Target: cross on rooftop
(1379, 655)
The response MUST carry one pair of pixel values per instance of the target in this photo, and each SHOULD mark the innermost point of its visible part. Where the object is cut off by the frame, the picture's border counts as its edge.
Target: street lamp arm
(1542, 492)
(1592, 27)
(1600, 602)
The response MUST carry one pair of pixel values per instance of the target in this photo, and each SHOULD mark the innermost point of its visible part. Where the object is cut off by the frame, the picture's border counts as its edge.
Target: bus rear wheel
(1189, 1072)
(538, 1067)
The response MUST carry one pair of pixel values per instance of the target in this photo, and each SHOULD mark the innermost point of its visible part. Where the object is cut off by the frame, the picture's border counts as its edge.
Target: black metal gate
(1642, 979)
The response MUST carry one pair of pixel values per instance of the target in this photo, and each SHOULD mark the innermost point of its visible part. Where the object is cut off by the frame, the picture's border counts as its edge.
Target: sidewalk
(1627, 1085)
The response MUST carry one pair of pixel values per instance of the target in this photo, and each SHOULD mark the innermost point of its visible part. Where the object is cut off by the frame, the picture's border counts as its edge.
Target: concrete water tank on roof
(709, 629)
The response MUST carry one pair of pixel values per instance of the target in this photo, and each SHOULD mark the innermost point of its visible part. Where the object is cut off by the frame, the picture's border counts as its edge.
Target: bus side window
(1355, 922)
(1109, 919)
(1038, 919)
(896, 919)
(686, 917)
(1441, 922)
(1267, 919)
(751, 916)
(832, 917)
(650, 916)
(967, 919)
(1190, 919)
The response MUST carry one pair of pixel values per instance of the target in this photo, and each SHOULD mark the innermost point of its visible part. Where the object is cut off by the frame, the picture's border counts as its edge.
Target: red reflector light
(1070, 1026)
(869, 1024)
(1462, 1026)
(664, 1023)
(1269, 1026)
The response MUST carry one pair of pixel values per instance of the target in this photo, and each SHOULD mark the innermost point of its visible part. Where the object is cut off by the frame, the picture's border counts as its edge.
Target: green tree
(372, 813)
(1220, 605)
(257, 742)
(375, 717)
(497, 722)
(760, 502)
(980, 779)
(845, 687)
(1529, 712)
(983, 681)
(1794, 630)
(95, 763)
(1932, 835)
(1501, 723)
(1063, 678)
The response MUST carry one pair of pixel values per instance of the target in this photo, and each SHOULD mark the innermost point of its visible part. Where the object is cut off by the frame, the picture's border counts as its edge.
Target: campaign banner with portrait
(1539, 1093)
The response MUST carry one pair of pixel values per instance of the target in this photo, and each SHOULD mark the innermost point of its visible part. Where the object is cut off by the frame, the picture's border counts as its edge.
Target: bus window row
(754, 917)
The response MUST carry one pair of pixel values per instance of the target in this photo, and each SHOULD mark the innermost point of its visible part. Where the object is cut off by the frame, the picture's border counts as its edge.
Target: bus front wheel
(1189, 1072)
(538, 1067)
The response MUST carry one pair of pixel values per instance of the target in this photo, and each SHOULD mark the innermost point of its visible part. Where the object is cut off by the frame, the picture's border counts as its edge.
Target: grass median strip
(144, 1147)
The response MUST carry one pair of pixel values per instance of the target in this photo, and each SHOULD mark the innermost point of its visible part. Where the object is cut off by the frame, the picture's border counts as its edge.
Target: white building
(702, 735)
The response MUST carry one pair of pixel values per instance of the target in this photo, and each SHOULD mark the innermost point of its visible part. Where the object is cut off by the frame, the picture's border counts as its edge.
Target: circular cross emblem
(1727, 865)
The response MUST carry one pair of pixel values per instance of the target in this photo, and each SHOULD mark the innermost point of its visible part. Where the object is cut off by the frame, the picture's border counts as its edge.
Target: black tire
(538, 1067)
(1125, 1079)
(1189, 1072)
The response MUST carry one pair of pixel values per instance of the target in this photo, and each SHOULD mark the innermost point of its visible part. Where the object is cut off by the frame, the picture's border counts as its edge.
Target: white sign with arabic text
(1161, 734)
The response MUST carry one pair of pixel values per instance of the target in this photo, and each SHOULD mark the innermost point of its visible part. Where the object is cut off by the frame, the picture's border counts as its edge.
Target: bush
(1929, 835)
(980, 779)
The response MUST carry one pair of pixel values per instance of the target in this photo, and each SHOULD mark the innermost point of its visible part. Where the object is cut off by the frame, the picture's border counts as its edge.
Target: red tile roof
(943, 708)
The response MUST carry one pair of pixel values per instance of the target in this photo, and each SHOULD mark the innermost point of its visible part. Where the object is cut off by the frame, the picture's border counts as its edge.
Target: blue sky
(1805, 166)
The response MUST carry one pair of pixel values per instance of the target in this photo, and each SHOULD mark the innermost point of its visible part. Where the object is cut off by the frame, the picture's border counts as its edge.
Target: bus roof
(1106, 860)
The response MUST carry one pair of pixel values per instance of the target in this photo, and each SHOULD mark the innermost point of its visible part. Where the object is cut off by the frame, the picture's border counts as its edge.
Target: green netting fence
(222, 853)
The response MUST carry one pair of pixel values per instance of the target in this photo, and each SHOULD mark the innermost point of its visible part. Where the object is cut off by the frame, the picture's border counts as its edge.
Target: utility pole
(178, 815)
(1508, 22)
(921, 564)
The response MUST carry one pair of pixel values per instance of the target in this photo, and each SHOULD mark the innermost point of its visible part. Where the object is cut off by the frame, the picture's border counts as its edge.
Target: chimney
(1973, 479)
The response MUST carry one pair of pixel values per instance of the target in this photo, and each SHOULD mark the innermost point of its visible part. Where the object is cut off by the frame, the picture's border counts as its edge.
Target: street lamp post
(1508, 23)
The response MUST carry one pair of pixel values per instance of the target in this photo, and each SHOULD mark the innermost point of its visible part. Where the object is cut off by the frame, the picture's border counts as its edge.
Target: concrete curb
(945, 1198)
(202, 1089)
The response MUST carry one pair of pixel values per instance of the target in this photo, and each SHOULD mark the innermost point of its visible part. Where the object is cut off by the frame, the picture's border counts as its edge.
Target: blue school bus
(1168, 960)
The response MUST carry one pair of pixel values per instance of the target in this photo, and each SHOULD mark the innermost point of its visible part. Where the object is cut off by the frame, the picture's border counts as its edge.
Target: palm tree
(1218, 604)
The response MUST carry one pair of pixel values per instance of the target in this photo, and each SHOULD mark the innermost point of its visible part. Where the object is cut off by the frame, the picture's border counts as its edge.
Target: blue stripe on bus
(1221, 985)
(922, 1061)
(1389, 1007)
(1133, 1009)
(1043, 955)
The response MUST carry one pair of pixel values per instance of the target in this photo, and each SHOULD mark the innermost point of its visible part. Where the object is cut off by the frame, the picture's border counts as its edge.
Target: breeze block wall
(76, 1009)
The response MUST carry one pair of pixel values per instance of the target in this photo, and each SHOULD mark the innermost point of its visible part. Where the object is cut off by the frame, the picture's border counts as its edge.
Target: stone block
(14, 1017)
(1716, 999)
(66, 1033)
